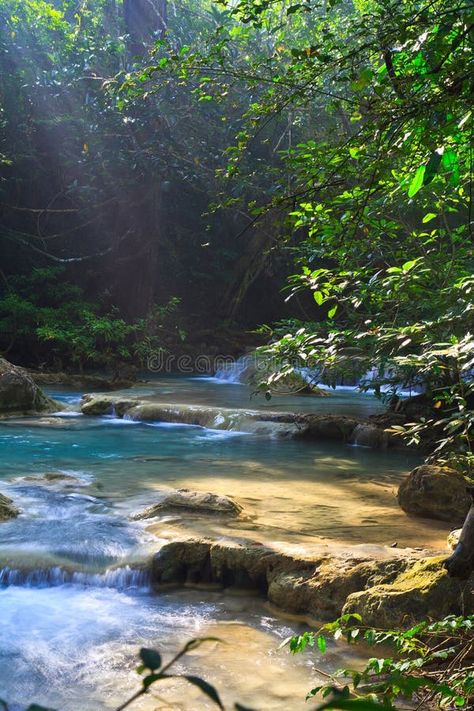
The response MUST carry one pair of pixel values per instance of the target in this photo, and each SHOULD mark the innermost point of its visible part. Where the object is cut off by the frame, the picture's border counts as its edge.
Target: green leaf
(322, 643)
(332, 312)
(318, 297)
(428, 217)
(417, 181)
(432, 166)
(206, 688)
(150, 658)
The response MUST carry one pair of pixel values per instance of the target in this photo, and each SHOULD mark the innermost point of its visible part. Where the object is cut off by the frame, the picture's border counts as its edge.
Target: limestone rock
(329, 427)
(19, 394)
(423, 590)
(105, 405)
(322, 591)
(265, 423)
(7, 509)
(369, 435)
(191, 502)
(318, 585)
(435, 492)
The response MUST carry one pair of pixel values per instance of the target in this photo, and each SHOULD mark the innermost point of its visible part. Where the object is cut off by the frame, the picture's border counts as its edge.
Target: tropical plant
(429, 664)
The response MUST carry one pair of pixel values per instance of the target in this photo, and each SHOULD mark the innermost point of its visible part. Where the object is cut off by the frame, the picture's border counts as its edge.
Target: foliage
(430, 664)
(46, 315)
(108, 173)
(377, 187)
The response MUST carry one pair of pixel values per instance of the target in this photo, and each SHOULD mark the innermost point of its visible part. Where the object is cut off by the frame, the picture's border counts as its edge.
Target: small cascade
(124, 578)
(233, 372)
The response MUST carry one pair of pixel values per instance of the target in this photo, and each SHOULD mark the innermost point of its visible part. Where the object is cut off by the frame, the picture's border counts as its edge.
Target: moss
(422, 590)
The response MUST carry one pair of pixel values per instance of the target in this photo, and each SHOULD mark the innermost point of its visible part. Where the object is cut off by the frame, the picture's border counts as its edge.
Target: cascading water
(125, 578)
(234, 371)
(75, 593)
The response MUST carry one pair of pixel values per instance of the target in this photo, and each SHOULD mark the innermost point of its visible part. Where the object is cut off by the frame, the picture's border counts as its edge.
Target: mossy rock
(422, 591)
(19, 394)
(7, 509)
(435, 492)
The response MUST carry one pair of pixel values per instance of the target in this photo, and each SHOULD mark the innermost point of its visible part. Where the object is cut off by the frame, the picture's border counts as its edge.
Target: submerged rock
(7, 508)
(435, 492)
(19, 394)
(422, 591)
(387, 587)
(191, 502)
(60, 476)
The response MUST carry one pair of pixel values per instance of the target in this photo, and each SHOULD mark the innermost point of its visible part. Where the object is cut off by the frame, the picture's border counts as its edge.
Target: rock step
(341, 428)
(387, 587)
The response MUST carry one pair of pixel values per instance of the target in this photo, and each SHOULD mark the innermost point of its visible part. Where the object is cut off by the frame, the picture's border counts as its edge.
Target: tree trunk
(145, 22)
(461, 563)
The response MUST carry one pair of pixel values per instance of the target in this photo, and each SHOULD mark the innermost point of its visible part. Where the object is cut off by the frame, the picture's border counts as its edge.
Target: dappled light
(236, 355)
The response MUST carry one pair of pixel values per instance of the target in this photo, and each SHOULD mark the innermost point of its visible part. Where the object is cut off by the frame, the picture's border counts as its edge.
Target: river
(75, 600)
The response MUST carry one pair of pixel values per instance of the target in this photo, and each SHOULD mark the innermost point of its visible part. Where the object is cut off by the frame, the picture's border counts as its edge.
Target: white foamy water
(76, 647)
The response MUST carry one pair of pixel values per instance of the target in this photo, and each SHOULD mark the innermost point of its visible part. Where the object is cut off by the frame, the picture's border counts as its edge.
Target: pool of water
(74, 607)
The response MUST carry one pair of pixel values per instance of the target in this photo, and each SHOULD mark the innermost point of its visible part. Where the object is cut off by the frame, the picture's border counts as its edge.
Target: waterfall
(125, 578)
(233, 372)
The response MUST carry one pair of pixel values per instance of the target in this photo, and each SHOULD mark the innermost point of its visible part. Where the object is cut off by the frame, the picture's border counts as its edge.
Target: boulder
(7, 509)
(322, 591)
(19, 394)
(329, 427)
(187, 501)
(368, 435)
(422, 591)
(435, 492)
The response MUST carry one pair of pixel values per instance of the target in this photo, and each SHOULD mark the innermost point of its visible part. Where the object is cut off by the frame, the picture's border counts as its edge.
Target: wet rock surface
(385, 586)
(7, 508)
(435, 492)
(328, 427)
(185, 500)
(19, 394)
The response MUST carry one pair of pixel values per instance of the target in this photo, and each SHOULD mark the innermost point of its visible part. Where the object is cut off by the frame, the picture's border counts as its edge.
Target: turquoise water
(74, 610)
(222, 393)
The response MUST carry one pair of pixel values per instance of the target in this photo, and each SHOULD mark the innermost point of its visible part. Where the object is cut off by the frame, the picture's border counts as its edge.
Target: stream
(75, 599)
